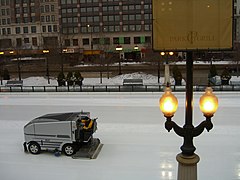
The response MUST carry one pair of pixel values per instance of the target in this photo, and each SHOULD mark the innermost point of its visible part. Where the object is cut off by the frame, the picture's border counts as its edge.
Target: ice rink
(131, 127)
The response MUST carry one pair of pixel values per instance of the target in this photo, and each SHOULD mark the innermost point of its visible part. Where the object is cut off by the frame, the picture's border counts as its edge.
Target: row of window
(85, 1)
(24, 1)
(5, 12)
(109, 18)
(86, 41)
(47, 8)
(31, 29)
(104, 8)
(25, 10)
(107, 28)
(5, 2)
(106, 41)
(20, 41)
(5, 21)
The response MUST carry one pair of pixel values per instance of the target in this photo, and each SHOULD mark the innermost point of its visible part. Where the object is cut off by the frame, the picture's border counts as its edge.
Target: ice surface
(131, 127)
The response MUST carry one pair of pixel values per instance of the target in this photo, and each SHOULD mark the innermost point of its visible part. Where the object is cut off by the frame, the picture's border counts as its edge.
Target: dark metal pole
(158, 72)
(188, 147)
(189, 89)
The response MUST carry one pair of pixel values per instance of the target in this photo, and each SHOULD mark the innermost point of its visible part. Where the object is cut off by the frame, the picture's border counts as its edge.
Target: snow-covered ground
(148, 79)
(131, 127)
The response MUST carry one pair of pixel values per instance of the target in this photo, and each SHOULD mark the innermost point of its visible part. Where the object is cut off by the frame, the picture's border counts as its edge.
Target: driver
(87, 123)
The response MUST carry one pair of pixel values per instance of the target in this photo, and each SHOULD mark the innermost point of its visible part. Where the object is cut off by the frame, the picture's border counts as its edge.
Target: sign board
(192, 24)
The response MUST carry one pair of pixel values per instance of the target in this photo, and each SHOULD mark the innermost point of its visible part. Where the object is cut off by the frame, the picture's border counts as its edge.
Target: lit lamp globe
(208, 103)
(168, 103)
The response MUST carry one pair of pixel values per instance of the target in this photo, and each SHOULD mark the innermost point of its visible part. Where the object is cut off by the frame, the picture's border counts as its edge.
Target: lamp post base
(187, 167)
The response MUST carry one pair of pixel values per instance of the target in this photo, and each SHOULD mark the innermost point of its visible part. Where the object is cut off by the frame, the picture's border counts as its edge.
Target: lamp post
(166, 70)
(119, 49)
(187, 159)
(47, 68)
(91, 43)
(1, 72)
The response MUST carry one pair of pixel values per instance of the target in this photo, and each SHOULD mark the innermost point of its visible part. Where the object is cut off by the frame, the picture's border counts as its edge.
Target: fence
(112, 88)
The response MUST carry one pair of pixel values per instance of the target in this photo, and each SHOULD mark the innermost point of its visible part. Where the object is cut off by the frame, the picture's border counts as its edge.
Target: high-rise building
(75, 24)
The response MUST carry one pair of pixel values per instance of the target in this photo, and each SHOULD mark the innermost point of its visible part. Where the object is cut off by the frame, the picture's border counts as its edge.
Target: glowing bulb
(168, 103)
(208, 102)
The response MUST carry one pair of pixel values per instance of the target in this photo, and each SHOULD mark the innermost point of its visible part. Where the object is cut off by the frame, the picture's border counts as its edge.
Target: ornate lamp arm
(169, 125)
(200, 128)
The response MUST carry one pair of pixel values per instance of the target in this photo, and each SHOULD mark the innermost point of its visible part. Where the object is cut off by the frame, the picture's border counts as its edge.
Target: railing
(112, 88)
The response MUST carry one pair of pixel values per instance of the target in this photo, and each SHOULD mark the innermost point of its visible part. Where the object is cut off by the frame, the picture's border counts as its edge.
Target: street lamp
(119, 49)
(2, 54)
(167, 70)
(208, 103)
(91, 43)
(46, 51)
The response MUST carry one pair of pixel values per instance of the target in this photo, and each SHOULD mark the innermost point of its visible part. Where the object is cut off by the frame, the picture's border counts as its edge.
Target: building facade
(76, 26)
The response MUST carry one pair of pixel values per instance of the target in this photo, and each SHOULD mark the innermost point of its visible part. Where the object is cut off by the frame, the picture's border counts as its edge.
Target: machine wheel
(69, 149)
(34, 148)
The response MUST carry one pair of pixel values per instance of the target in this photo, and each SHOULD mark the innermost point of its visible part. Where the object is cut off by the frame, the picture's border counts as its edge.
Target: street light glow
(168, 103)
(208, 102)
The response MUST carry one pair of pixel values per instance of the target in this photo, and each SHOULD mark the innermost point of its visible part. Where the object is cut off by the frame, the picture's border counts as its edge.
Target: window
(85, 41)
(25, 10)
(75, 42)
(42, 9)
(8, 30)
(33, 29)
(52, 18)
(67, 42)
(3, 12)
(131, 17)
(96, 18)
(19, 42)
(137, 40)
(147, 27)
(4, 21)
(18, 30)
(147, 39)
(49, 28)
(55, 28)
(44, 28)
(7, 11)
(127, 40)
(25, 29)
(33, 19)
(18, 20)
(83, 19)
(95, 40)
(3, 31)
(42, 19)
(138, 27)
(116, 40)
(83, 29)
(17, 10)
(34, 41)
(125, 28)
(52, 8)
(138, 16)
(26, 40)
(32, 9)
(47, 8)
(47, 18)
(132, 27)
(25, 19)
(75, 19)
